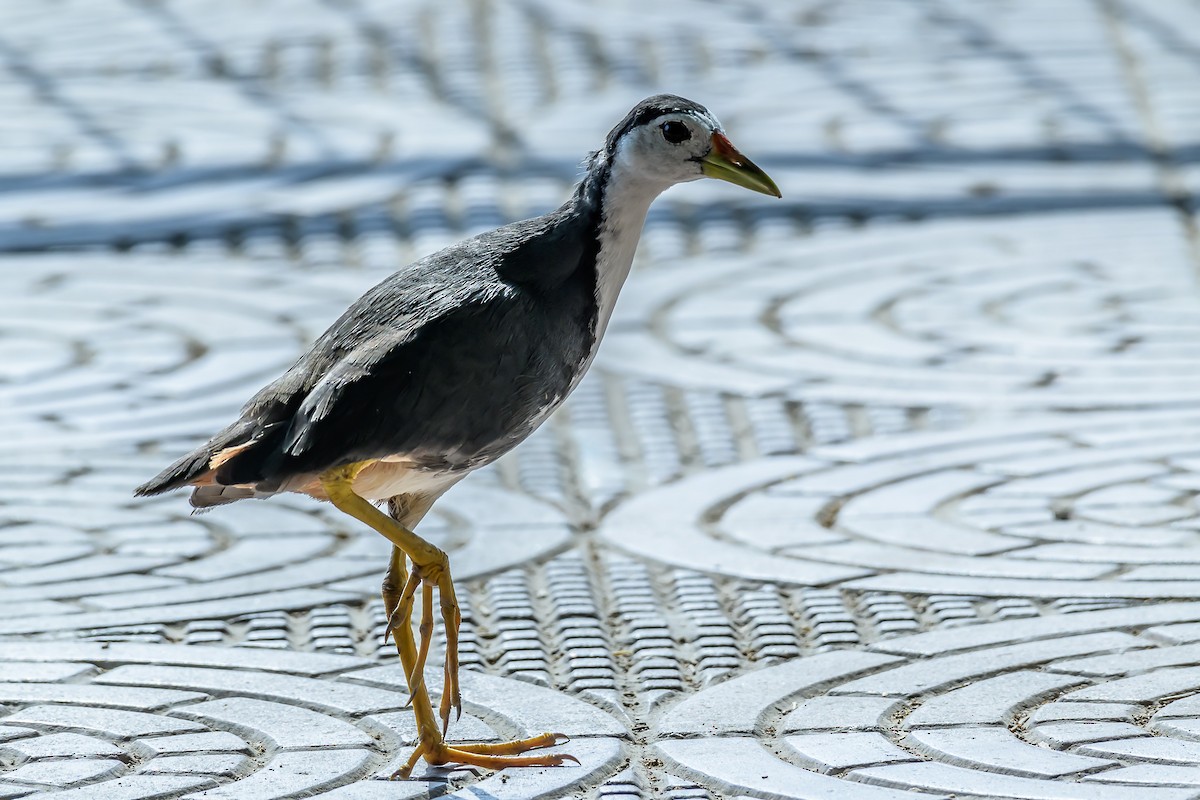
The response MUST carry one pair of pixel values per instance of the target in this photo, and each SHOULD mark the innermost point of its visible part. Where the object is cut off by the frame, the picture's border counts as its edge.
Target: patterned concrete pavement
(885, 490)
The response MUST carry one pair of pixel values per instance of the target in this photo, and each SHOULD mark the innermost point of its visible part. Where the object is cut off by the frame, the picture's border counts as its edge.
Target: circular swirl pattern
(1099, 505)
(1001, 316)
(101, 352)
(80, 564)
(165, 721)
(1084, 705)
(106, 393)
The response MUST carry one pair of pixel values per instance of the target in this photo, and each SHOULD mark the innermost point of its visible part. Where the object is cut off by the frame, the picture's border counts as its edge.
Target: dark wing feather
(386, 396)
(442, 360)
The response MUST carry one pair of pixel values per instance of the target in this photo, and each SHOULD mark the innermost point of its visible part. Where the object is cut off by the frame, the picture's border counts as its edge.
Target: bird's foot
(497, 755)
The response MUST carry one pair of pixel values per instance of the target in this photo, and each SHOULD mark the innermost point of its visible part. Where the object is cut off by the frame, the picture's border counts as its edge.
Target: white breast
(627, 198)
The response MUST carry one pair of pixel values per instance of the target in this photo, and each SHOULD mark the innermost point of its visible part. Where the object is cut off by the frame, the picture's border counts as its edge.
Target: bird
(446, 365)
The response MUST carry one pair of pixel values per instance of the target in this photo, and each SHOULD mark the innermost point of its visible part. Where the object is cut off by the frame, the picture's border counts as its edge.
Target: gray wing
(442, 361)
(471, 276)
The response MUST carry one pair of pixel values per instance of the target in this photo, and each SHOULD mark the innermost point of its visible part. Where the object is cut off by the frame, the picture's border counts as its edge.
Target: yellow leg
(401, 611)
(430, 568)
(430, 564)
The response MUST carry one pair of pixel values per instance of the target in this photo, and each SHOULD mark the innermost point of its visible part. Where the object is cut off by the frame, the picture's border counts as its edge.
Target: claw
(450, 697)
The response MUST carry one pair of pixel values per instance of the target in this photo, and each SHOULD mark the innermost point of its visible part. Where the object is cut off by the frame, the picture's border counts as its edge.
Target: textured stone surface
(1095, 505)
(887, 489)
(994, 316)
(254, 733)
(1005, 734)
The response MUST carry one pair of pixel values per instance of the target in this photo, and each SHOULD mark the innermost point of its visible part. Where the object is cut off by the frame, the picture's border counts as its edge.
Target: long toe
(417, 676)
(492, 755)
(516, 746)
(487, 761)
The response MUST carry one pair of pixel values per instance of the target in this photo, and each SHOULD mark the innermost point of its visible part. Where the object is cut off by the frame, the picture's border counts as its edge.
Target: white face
(667, 150)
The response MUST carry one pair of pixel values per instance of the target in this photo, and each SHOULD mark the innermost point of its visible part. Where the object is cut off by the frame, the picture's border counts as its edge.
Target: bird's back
(446, 364)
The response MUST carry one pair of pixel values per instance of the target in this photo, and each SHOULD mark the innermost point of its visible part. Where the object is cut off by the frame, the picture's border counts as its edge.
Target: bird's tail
(198, 465)
(181, 473)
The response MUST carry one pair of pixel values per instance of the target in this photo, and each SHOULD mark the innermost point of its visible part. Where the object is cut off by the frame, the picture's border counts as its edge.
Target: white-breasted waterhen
(448, 364)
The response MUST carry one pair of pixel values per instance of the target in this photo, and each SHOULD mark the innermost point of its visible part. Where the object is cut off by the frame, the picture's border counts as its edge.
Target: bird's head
(667, 139)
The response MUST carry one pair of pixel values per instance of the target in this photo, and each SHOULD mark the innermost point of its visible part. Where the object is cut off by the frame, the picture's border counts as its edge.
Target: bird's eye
(675, 132)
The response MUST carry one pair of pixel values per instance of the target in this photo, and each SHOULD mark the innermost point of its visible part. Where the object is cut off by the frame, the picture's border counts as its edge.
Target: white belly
(387, 478)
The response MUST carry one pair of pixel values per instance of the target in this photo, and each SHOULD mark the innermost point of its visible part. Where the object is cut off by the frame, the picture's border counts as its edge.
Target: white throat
(626, 200)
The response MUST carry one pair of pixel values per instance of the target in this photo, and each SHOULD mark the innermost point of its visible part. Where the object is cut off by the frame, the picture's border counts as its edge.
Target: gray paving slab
(191, 743)
(836, 712)
(1143, 688)
(265, 733)
(1085, 710)
(15, 653)
(297, 774)
(238, 605)
(1152, 749)
(1044, 628)
(116, 723)
(960, 781)
(919, 677)
(884, 489)
(278, 726)
(87, 694)
(740, 766)
(994, 749)
(1028, 733)
(1069, 734)
(47, 671)
(835, 752)
(65, 773)
(218, 765)
(726, 709)
(1156, 774)
(346, 698)
(989, 701)
(140, 787)
(62, 745)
